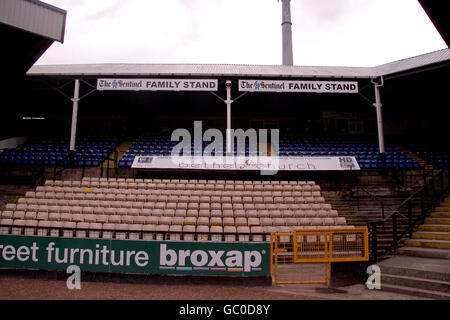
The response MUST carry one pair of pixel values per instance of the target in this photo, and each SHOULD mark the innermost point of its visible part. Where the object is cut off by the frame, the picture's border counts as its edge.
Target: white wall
(12, 142)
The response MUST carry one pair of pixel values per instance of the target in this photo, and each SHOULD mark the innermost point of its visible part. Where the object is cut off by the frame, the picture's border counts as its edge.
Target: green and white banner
(138, 257)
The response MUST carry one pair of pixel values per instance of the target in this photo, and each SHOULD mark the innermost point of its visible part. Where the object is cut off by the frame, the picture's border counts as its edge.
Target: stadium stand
(175, 209)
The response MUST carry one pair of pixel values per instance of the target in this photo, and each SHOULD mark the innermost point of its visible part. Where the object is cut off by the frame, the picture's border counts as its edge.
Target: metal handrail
(411, 223)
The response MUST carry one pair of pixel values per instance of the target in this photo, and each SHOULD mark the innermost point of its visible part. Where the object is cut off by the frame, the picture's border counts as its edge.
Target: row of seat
(143, 187)
(163, 201)
(179, 220)
(261, 213)
(148, 208)
(146, 231)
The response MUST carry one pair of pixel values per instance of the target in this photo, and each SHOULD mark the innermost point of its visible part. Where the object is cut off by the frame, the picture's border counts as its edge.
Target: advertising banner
(136, 257)
(157, 84)
(247, 163)
(298, 86)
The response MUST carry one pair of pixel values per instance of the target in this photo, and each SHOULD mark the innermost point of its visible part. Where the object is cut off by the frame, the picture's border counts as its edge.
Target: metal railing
(402, 220)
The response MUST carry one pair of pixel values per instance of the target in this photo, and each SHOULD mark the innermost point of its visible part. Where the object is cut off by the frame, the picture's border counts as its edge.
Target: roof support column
(76, 98)
(228, 102)
(377, 105)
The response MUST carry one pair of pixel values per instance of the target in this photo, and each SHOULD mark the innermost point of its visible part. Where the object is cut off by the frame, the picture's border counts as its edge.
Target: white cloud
(325, 32)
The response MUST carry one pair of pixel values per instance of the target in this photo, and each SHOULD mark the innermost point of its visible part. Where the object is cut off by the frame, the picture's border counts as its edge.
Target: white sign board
(247, 163)
(298, 86)
(157, 84)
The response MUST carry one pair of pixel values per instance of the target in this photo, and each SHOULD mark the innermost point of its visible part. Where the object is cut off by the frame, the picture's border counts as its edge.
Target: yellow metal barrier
(304, 256)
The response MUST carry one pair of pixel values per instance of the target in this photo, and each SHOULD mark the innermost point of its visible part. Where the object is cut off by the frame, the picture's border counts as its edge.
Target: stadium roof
(27, 29)
(438, 13)
(221, 70)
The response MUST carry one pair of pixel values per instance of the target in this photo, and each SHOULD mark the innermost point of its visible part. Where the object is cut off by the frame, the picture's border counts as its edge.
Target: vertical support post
(394, 232)
(422, 204)
(374, 240)
(73, 131)
(228, 102)
(410, 224)
(377, 105)
(286, 26)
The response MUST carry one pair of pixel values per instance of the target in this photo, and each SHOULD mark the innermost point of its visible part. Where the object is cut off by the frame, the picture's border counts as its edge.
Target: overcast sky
(325, 32)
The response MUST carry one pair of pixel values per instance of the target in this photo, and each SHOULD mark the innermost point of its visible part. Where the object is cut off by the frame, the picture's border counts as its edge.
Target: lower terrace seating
(90, 151)
(177, 209)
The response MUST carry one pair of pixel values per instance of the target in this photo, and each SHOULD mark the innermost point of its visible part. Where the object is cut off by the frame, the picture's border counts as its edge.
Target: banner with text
(247, 163)
(138, 257)
(157, 84)
(298, 86)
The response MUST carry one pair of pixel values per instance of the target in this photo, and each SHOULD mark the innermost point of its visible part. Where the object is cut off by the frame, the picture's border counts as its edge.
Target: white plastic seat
(278, 221)
(227, 213)
(257, 237)
(217, 230)
(203, 221)
(148, 231)
(95, 229)
(108, 230)
(176, 228)
(121, 231)
(202, 228)
(135, 231)
(82, 230)
(230, 237)
(188, 232)
(333, 213)
(215, 221)
(69, 229)
(228, 221)
(165, 220)
(291, 221)
(243, 237)
(340, 221)
(161, 230)
(253, 221)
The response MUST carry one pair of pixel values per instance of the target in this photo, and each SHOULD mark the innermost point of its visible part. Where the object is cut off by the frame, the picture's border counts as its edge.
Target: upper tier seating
(365, 151)
(90, 151)
(150, 209)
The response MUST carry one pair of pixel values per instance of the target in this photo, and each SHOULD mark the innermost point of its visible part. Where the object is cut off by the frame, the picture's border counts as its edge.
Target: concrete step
(415, 282)
(431, 235)
(426, 243)
(440, 214)
(424, 252)
(417, 267)
(436, 295)
(437, 221)
(435, 227)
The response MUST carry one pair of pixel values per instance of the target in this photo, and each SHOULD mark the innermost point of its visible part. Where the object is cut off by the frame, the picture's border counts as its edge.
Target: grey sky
(325, 32)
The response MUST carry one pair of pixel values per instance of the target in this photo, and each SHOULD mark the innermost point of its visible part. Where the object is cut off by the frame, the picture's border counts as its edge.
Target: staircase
(422, 266)
(422, 162)
(359, 211)
(121, 150)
